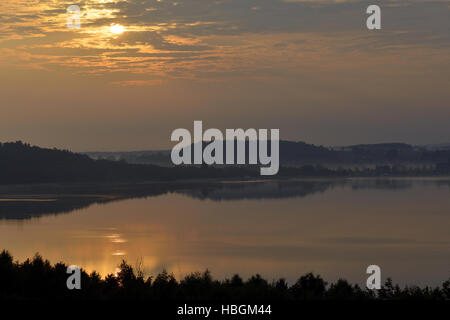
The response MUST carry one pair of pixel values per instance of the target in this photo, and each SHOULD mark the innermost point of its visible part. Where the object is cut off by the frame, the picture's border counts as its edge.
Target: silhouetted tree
(36, 278)
(309, 287)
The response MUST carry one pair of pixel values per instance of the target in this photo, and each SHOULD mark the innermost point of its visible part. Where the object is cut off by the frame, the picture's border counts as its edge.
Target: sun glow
(117, 28)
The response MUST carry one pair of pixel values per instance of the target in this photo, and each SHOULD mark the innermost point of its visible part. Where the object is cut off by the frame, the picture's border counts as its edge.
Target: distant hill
(161, 158)
(437, 147)
(23, 163)
(301, 153)
(381, 146)
(290, 153)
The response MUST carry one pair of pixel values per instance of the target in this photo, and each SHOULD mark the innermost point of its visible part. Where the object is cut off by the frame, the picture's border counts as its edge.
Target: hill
(301, 153)
(23, 163)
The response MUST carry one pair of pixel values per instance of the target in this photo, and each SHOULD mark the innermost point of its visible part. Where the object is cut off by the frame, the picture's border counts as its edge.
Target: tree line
(23, 163)
(37, 278)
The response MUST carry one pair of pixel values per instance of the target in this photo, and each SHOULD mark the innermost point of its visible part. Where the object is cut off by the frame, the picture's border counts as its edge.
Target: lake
(335, 228)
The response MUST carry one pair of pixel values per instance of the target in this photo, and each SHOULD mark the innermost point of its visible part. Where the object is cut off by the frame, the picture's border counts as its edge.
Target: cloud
(203, 38)
(139, 83)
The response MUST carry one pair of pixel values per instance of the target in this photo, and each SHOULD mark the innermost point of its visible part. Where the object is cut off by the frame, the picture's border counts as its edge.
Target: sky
(136, 70)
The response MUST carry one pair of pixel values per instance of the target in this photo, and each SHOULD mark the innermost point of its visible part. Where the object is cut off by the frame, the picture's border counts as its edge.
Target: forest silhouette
(38, 279)
(23, 163)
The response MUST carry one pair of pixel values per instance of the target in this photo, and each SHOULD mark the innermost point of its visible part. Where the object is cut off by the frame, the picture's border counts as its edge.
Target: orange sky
(310, 68)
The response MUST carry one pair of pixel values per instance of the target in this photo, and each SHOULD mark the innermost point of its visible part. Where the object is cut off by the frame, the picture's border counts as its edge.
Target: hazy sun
(116, 28)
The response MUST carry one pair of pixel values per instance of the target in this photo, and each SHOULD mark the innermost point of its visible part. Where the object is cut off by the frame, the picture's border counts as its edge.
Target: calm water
(284, 229)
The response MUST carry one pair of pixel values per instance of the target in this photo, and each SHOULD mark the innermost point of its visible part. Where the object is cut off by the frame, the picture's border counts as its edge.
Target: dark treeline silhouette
(37, 279)
(22, 163)
(300, 153)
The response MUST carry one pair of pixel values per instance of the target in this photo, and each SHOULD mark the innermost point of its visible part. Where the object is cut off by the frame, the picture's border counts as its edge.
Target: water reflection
(21, 202)
(261, 190)
(26, 202)
(279, 229)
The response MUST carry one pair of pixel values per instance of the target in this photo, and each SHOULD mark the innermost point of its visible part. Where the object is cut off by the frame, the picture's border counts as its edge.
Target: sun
(116, 28)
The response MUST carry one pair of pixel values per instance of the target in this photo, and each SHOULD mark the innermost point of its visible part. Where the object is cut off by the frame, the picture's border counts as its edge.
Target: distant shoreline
(199, 182)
